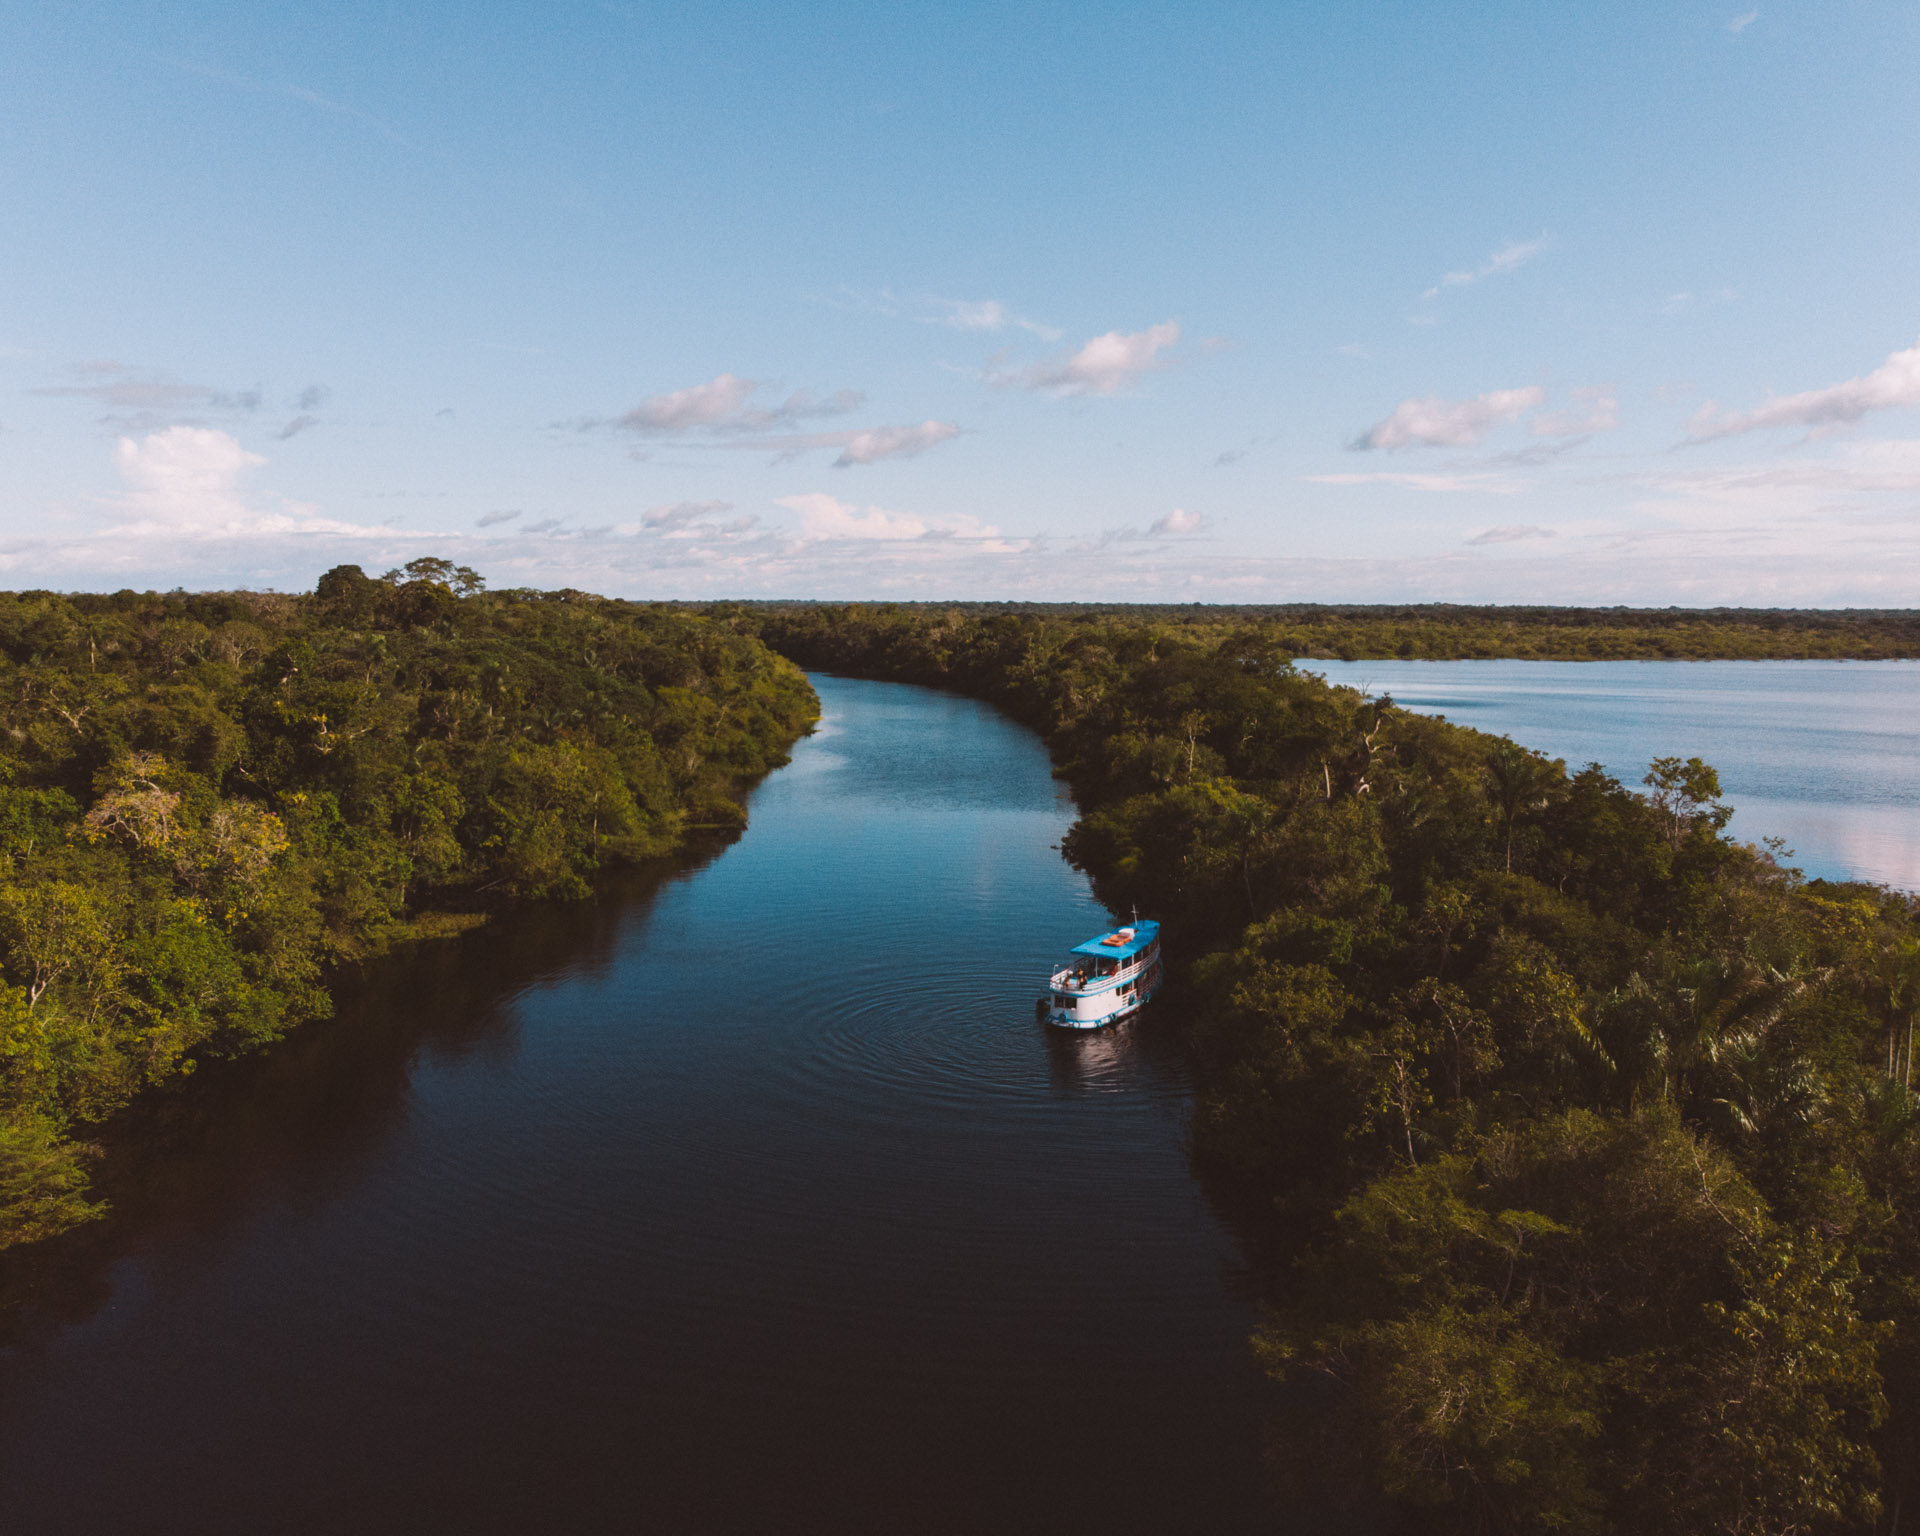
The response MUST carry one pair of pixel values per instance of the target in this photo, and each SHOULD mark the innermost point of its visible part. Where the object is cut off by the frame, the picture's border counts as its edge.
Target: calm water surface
(1825, 754)
(754, 1200)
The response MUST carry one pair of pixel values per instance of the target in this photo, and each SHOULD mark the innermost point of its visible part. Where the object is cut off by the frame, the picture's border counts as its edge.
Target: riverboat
(1109, 978)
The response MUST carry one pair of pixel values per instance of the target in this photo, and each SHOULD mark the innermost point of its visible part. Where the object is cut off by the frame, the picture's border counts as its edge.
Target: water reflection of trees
(300, 1123)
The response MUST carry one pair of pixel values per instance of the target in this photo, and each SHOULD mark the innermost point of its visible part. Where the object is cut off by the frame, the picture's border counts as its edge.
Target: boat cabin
(1107, 977)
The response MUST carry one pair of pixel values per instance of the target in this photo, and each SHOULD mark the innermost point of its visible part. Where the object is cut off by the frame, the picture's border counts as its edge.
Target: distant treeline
(1590, 1133)
(1450, 632)
(207, 801)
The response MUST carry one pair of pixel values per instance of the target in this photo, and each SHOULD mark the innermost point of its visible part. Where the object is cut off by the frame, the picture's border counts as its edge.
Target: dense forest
(1451, 632)
(1588, 1135)
(209, 802)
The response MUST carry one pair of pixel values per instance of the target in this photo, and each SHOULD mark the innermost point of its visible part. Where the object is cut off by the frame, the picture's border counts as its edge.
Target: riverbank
(211, 805)
(1591, 1130)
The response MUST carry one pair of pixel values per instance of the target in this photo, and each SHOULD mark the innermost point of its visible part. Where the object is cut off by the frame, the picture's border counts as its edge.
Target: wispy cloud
(1537, 453)
(1896, 382)
(1177, 524)
(1228, 456)
(285, 92)
(144, 399)
(1676, 303)
(1434, 422)
(295, 427)
(867, 445)
(684, 519)
(877, 443)
(1104, 366)
(989, 315)
(719, 413)
(1741, 22)
(1858, 469)
(1512, 533)
(1593, 410)
(495, 519)
(1440, 480)
(1508, 258)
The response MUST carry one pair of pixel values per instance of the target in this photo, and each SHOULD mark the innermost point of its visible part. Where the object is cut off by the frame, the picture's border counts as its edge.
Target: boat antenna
(1136, 914)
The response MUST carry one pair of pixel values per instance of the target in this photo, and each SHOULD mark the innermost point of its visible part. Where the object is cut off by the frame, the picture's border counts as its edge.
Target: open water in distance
(755, 1200)
(1825, 754)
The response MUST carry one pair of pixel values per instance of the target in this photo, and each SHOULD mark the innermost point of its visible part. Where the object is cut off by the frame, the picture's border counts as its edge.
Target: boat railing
(1071, 980)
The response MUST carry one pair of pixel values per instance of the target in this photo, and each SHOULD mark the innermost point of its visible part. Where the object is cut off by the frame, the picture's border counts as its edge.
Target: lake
(749, 1196)
(1824, 754)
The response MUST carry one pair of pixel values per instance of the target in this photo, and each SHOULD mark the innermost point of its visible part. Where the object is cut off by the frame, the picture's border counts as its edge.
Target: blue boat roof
(1140, 935)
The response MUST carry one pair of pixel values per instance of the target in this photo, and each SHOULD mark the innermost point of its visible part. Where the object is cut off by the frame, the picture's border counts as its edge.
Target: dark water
(753, 1200)
(1823, 754)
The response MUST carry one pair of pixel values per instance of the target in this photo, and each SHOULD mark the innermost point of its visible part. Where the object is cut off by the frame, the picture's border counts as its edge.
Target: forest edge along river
(751, 1193)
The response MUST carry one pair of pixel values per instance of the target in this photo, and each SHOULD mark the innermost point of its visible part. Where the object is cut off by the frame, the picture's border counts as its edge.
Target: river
(1824, 755)
(751, 1196)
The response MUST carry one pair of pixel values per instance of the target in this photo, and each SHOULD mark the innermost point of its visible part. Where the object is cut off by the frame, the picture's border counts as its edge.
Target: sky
(1556, 303)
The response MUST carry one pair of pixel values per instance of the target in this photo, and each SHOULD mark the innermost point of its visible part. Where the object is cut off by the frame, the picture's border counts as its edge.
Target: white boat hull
(1098, 1009)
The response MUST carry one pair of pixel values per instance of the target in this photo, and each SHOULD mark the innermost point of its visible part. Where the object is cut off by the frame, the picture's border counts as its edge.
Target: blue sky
(1547, 303)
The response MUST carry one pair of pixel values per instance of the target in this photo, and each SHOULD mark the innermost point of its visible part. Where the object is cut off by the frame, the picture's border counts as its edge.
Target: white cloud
(1179, 523)
(1830, 526)
(1896, 382)
(824, 517)
(1514, 254)
(827, 517)
(1449, 423)
(698, 405)
(877, 443)
(1104, 366)
(493, 519)
(1512, 533)
(185, 475)
(1595, 410)
(1741, 22)
(187, 484)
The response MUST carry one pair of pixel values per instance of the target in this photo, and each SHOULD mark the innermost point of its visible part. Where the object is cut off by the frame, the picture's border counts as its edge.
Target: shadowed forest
(209, 803)
(1586, 1134)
